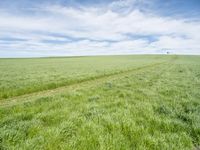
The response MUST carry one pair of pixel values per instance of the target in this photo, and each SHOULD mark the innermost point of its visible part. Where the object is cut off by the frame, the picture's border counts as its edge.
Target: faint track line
(15, 100)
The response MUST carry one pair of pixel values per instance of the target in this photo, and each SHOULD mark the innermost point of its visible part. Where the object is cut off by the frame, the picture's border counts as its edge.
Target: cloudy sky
(35, 28)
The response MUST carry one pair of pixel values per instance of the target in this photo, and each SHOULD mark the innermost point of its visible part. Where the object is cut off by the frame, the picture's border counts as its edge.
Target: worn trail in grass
(87, 82)
(151, 108)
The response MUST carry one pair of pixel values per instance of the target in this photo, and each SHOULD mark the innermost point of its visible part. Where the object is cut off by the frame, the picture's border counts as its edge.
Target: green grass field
(105, 102)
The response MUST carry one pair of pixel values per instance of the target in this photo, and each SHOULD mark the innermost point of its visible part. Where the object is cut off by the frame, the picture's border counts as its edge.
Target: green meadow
(100, 102)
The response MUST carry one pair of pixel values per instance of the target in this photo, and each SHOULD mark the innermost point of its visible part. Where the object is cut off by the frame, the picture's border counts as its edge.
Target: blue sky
(98, 27)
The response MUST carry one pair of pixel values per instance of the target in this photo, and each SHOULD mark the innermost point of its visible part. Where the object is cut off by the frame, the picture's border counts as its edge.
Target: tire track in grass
(88, 82)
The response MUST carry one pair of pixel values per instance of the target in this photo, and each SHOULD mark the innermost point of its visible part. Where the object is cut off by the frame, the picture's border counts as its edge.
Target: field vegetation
(106, 102)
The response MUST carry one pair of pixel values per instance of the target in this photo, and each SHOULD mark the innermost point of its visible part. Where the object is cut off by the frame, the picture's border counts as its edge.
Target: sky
(42, 28)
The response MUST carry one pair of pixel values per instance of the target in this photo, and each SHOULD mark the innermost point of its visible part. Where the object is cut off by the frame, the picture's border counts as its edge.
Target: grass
(111, 102)
(22, 76)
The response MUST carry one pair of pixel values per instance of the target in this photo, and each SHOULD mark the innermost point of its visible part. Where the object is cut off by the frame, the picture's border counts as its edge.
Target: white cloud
(96, 31)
